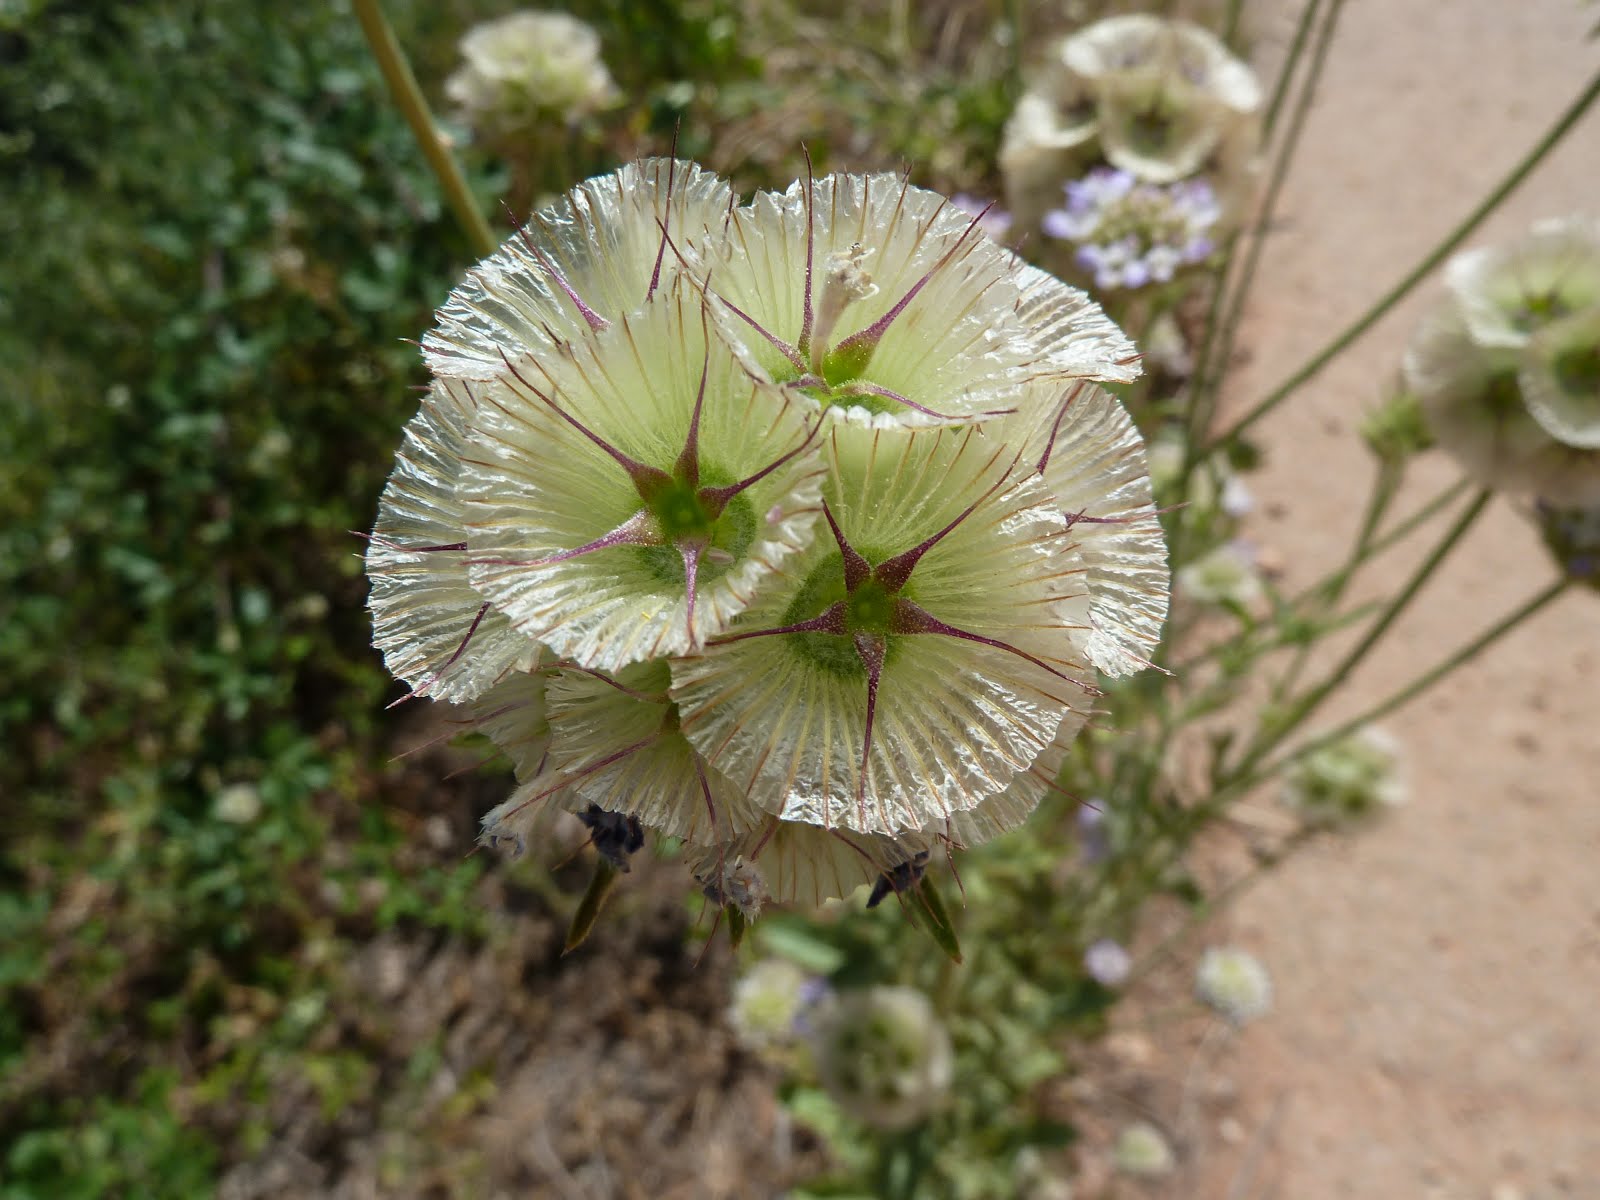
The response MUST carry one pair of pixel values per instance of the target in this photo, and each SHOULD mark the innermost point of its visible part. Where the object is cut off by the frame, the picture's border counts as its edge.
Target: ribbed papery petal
(948, 350)
(604, 237)
(1009, 809)
(660, 782)
(433, 629)
(1161, 130)
(1043, 137)
(1200, 59)
(1076, 337)
(1508, 292)
(1474, 406)
(807, 864)
(1117, 45)
(1560, 379)
(1095, 467)
(785, 716)
(512, 715)
(535, 487)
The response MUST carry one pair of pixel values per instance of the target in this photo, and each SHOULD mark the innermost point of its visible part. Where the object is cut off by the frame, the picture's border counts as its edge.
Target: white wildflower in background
(1560, 378)
(1108, 962)
(237, 804)
(1348, 781)
(1226, 576)
(797, 531)
(883, 1055)
(1234, 983)
(529, 67)
(767, 1002)
(1160, 99)
(1143, 1150)
(1506, 365)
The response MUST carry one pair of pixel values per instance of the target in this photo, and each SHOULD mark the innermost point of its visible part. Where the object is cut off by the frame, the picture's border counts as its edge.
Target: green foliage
(218, 233)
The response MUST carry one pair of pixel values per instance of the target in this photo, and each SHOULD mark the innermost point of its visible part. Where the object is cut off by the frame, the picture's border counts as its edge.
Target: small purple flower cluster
(1129, 233)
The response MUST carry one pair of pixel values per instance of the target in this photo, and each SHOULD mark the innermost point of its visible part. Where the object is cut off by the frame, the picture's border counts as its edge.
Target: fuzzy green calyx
(681, 514)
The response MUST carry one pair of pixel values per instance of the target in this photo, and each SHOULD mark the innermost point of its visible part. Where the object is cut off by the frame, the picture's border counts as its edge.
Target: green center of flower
(1539, 309)
(869, 609)
(681, 515)
(1578, 371)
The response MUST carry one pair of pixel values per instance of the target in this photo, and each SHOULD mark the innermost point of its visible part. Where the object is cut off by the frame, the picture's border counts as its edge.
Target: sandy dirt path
(1437, 1033)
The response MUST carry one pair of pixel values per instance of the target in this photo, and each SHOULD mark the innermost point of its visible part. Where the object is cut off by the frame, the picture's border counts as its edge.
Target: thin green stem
(1446, 497)
(1422, 270)
(1412, 690)
(1384, 489)
(1280, 87)
(1268, 738)
(403, 87)
(1230, 24)
(1207, 387)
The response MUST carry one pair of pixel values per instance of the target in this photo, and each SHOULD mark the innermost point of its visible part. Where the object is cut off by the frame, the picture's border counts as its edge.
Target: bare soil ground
(1437, 1034)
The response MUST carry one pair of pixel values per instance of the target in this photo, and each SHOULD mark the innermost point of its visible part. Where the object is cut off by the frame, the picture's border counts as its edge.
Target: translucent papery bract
(1560, 378)
(808, 864)
(618, 741)
(1117, 45)
(1204, 62)
(537, 488)
(435, 632)
(784, 716)
(1094, 465)
(1009, 808)
(1078, 339)
(1041, 141)
(948, 350)
(1473, 404)
(603, 237)
(512, 715)
(1506, 293)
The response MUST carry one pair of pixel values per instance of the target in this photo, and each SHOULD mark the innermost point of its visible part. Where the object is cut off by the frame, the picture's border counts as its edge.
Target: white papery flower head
(1347, 782)
(883, 1055)
(1471, 399)
(1161, 99)
(1234, 982)
(1227, 575)
(797, 532)
(527, 67)
(1507, 293)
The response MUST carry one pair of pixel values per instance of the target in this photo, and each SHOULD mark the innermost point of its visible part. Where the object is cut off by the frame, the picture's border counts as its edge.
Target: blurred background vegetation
(219, 235)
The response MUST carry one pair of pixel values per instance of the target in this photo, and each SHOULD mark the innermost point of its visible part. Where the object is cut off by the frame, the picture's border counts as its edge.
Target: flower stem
(1384, 489)
(1207, 386)
(1376, 547)
(1280, 88)
(408, 96)
(1267, 739)
(1442, 251)
(1416, 687)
